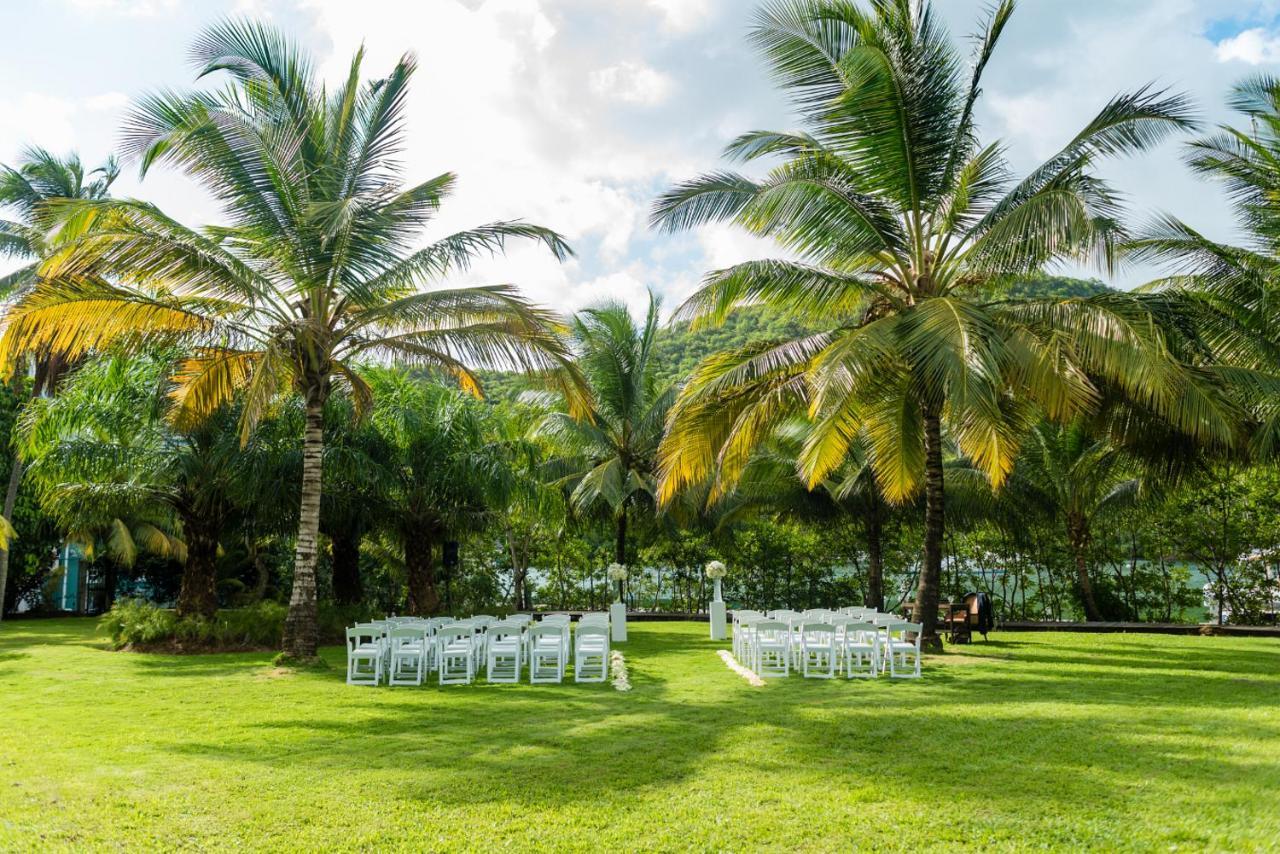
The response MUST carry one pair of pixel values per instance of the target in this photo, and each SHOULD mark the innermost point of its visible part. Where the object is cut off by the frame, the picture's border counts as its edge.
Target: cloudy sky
(576, 113)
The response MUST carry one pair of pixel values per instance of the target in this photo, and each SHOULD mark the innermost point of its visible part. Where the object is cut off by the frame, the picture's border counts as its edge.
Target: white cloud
(632, 83)
(683, 16)
(36, 118)
(127, 8)
(1254, 47)
(107, 102)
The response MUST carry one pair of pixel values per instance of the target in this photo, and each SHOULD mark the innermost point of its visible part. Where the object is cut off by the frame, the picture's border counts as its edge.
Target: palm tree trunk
(301, 630)
(198, 595)
(926, 607)
(620, 545)
(424, 593)
(10, 499)
(347, 589)
(875, 556)
(1078, 538)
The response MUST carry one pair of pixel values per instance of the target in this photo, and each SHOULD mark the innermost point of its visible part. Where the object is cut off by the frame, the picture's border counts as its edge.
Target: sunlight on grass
(1064, 741)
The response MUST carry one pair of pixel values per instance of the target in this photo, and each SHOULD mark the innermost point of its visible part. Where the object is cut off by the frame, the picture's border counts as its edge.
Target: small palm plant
(904, 230)
(1075, 478)
(312, 273)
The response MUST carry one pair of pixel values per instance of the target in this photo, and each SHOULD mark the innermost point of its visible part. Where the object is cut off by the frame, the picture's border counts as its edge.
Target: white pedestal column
(618, 622)
(717, 621)
(717, 614)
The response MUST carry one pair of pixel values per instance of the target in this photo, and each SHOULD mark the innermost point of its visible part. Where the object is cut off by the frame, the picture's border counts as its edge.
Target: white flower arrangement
(616, 572)
(716, 570)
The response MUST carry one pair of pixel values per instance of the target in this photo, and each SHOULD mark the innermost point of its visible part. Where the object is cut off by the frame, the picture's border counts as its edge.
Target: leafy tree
(608, 453)
(904, 231)
(39, 177)
(312, 272)
(108, 464)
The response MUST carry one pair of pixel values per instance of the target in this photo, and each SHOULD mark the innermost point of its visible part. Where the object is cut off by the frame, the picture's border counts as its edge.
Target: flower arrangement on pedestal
(716, 571)
(617, 573)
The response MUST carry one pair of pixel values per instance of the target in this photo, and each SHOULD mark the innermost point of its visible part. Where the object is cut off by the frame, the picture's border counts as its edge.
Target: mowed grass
(1059, 741)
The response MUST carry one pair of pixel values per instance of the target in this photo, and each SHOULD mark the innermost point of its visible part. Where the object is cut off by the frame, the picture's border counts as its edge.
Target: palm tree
(1075, 478)
(311, 274)
(849, 493)
(1229, 291)
(902, 228)
(442, 475)
(24, 189)
(608, 454)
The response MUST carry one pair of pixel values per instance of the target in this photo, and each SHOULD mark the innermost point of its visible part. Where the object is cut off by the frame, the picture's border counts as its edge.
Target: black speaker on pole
(451, 554)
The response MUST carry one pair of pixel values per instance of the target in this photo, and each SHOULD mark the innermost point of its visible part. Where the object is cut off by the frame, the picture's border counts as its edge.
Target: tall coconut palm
(608, 453)
(38, 177)
(1230, 291)
(312, 272)
(901, 227)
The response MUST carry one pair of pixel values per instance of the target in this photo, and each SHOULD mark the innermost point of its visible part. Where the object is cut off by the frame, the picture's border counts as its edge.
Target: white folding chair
(771, 648)
(547, 652)
(456, 654)
(741, 620)
(408, 644)
(591, 652)
(899, 651)
(859, 643)
(817, 650)
(364, 656)
(504, 652)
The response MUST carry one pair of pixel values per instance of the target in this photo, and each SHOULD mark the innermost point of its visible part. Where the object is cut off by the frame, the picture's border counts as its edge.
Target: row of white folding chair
(406, 649)
(821, 649)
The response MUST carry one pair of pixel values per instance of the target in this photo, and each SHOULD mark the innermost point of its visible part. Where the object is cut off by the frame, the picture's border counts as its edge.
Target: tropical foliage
(277, 420)
(312, 272)
(904, 230)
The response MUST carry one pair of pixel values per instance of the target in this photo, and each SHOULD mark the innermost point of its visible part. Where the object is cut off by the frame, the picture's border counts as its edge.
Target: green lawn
(1031, 740)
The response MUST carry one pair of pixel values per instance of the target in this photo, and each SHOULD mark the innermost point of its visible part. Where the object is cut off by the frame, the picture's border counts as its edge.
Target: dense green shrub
(137, 621)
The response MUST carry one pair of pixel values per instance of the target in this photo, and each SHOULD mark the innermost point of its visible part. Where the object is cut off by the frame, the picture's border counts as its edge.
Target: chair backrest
(519, 619)
(360, 634)
(455, 631)
(770, 627)
(504, 629)
(547, 630)
(556, 620)
(817, 632)
(592, 629)
(408, 632)
(901, 628)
